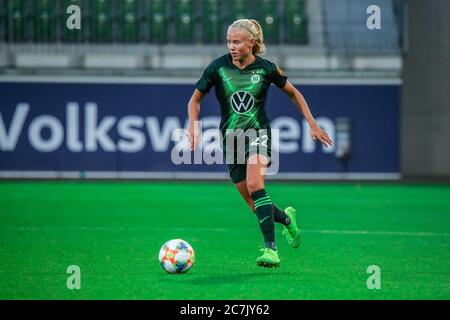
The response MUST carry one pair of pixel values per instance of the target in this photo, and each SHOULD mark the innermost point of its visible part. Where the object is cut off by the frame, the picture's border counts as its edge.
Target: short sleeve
(279, 77)
(208, 79)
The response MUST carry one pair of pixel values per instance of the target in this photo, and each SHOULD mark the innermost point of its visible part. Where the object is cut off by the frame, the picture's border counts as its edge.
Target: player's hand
(317, 133)
(193, 134)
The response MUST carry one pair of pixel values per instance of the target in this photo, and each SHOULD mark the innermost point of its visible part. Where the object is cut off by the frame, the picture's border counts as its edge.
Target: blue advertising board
(52, 129)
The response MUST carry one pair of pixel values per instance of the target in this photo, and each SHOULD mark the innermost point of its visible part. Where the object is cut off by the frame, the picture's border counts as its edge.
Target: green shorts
(238, 149)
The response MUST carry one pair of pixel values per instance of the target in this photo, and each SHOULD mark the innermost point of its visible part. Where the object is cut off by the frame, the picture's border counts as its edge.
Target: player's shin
(280, 216)
(265, 215)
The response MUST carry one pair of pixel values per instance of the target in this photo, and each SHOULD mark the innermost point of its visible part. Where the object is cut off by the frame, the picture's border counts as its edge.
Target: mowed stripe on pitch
(326, 232)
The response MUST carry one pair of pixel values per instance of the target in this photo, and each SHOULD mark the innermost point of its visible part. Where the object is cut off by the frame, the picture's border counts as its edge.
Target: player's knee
(254, 185)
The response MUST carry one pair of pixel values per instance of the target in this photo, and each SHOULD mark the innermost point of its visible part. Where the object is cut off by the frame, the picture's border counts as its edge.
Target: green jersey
(241, 93)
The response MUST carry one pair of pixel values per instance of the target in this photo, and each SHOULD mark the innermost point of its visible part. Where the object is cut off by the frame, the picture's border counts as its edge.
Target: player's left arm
(299, 101)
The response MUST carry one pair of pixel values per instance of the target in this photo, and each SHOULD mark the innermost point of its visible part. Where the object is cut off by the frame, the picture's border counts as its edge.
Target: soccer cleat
(291, 231)
(269, 259)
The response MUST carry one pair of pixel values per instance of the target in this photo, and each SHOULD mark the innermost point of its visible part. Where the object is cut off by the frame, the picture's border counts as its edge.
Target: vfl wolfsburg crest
(242, 101)
(255, 78)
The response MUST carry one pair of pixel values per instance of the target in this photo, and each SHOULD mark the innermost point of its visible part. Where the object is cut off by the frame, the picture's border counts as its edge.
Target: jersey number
(264, 139)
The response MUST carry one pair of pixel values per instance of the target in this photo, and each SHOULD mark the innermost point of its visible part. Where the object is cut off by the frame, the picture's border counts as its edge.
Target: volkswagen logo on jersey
(242, 101)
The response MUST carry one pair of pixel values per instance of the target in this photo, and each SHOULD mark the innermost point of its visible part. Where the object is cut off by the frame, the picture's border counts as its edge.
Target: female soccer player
(242, 79)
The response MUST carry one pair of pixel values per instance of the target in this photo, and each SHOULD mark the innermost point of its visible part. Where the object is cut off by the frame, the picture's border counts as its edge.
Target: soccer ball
(176, 256)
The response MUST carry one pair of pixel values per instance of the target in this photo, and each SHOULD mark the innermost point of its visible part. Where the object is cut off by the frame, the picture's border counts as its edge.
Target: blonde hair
(255, 31)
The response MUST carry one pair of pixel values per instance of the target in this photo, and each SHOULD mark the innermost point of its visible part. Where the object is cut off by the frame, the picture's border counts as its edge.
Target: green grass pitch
(113, 232)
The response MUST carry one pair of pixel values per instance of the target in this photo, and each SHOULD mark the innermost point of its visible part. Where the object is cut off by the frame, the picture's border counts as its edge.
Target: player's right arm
(193, 113)
(203, 86)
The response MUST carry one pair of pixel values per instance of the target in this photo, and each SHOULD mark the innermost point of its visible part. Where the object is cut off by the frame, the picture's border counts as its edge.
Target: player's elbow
(291, 94)
(193, 109)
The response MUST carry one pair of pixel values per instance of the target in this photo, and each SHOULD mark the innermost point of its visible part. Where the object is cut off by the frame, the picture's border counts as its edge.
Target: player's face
(239, 43)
